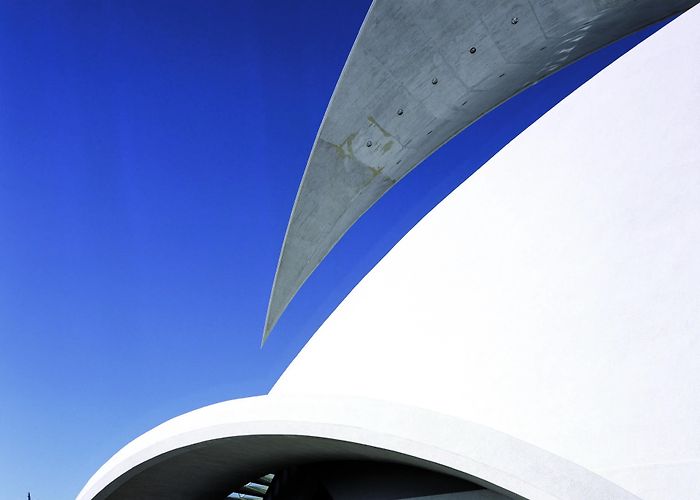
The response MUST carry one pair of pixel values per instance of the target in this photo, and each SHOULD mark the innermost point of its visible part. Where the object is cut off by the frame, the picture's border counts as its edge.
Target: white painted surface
(476, 450)
(555, 295)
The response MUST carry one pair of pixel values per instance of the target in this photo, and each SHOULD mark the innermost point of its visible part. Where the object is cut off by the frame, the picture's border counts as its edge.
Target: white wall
(555, 295)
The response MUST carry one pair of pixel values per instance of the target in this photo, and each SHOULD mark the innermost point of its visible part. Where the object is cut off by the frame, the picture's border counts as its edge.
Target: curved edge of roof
(475, 452)
(550, 38)
(270, 319)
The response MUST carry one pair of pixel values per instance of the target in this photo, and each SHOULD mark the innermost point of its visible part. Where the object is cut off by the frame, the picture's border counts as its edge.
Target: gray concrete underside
(421, 71)
(212, 469)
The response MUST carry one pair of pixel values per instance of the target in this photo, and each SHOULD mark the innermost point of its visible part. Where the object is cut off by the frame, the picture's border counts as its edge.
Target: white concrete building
(536, 336)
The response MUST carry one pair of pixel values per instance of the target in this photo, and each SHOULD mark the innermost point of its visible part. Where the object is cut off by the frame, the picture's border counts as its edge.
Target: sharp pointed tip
(269, 325)
(271, 318)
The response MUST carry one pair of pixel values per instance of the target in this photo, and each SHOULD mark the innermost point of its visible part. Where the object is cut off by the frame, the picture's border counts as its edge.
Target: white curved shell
(555, 295)
(186, 456)
(538, 332)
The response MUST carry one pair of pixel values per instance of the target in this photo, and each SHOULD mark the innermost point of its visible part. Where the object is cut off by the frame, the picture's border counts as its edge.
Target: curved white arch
(346, 427)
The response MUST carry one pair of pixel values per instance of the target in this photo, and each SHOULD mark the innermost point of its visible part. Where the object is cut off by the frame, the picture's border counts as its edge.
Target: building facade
(536, 336)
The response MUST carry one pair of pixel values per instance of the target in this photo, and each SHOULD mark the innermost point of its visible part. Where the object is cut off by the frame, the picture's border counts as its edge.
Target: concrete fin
(420, 72)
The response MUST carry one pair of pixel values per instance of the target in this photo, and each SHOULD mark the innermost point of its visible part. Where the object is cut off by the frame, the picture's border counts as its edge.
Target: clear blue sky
(150, 152)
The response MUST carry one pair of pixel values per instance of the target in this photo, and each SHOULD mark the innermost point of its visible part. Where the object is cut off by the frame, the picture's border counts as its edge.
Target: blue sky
(150, 153)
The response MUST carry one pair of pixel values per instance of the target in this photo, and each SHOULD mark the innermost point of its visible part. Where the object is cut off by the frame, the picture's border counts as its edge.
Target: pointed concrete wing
(421, 71)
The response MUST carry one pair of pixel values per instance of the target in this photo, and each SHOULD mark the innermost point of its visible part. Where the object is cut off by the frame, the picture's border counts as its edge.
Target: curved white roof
(204, 452)
(537, 332)
(554, 295)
